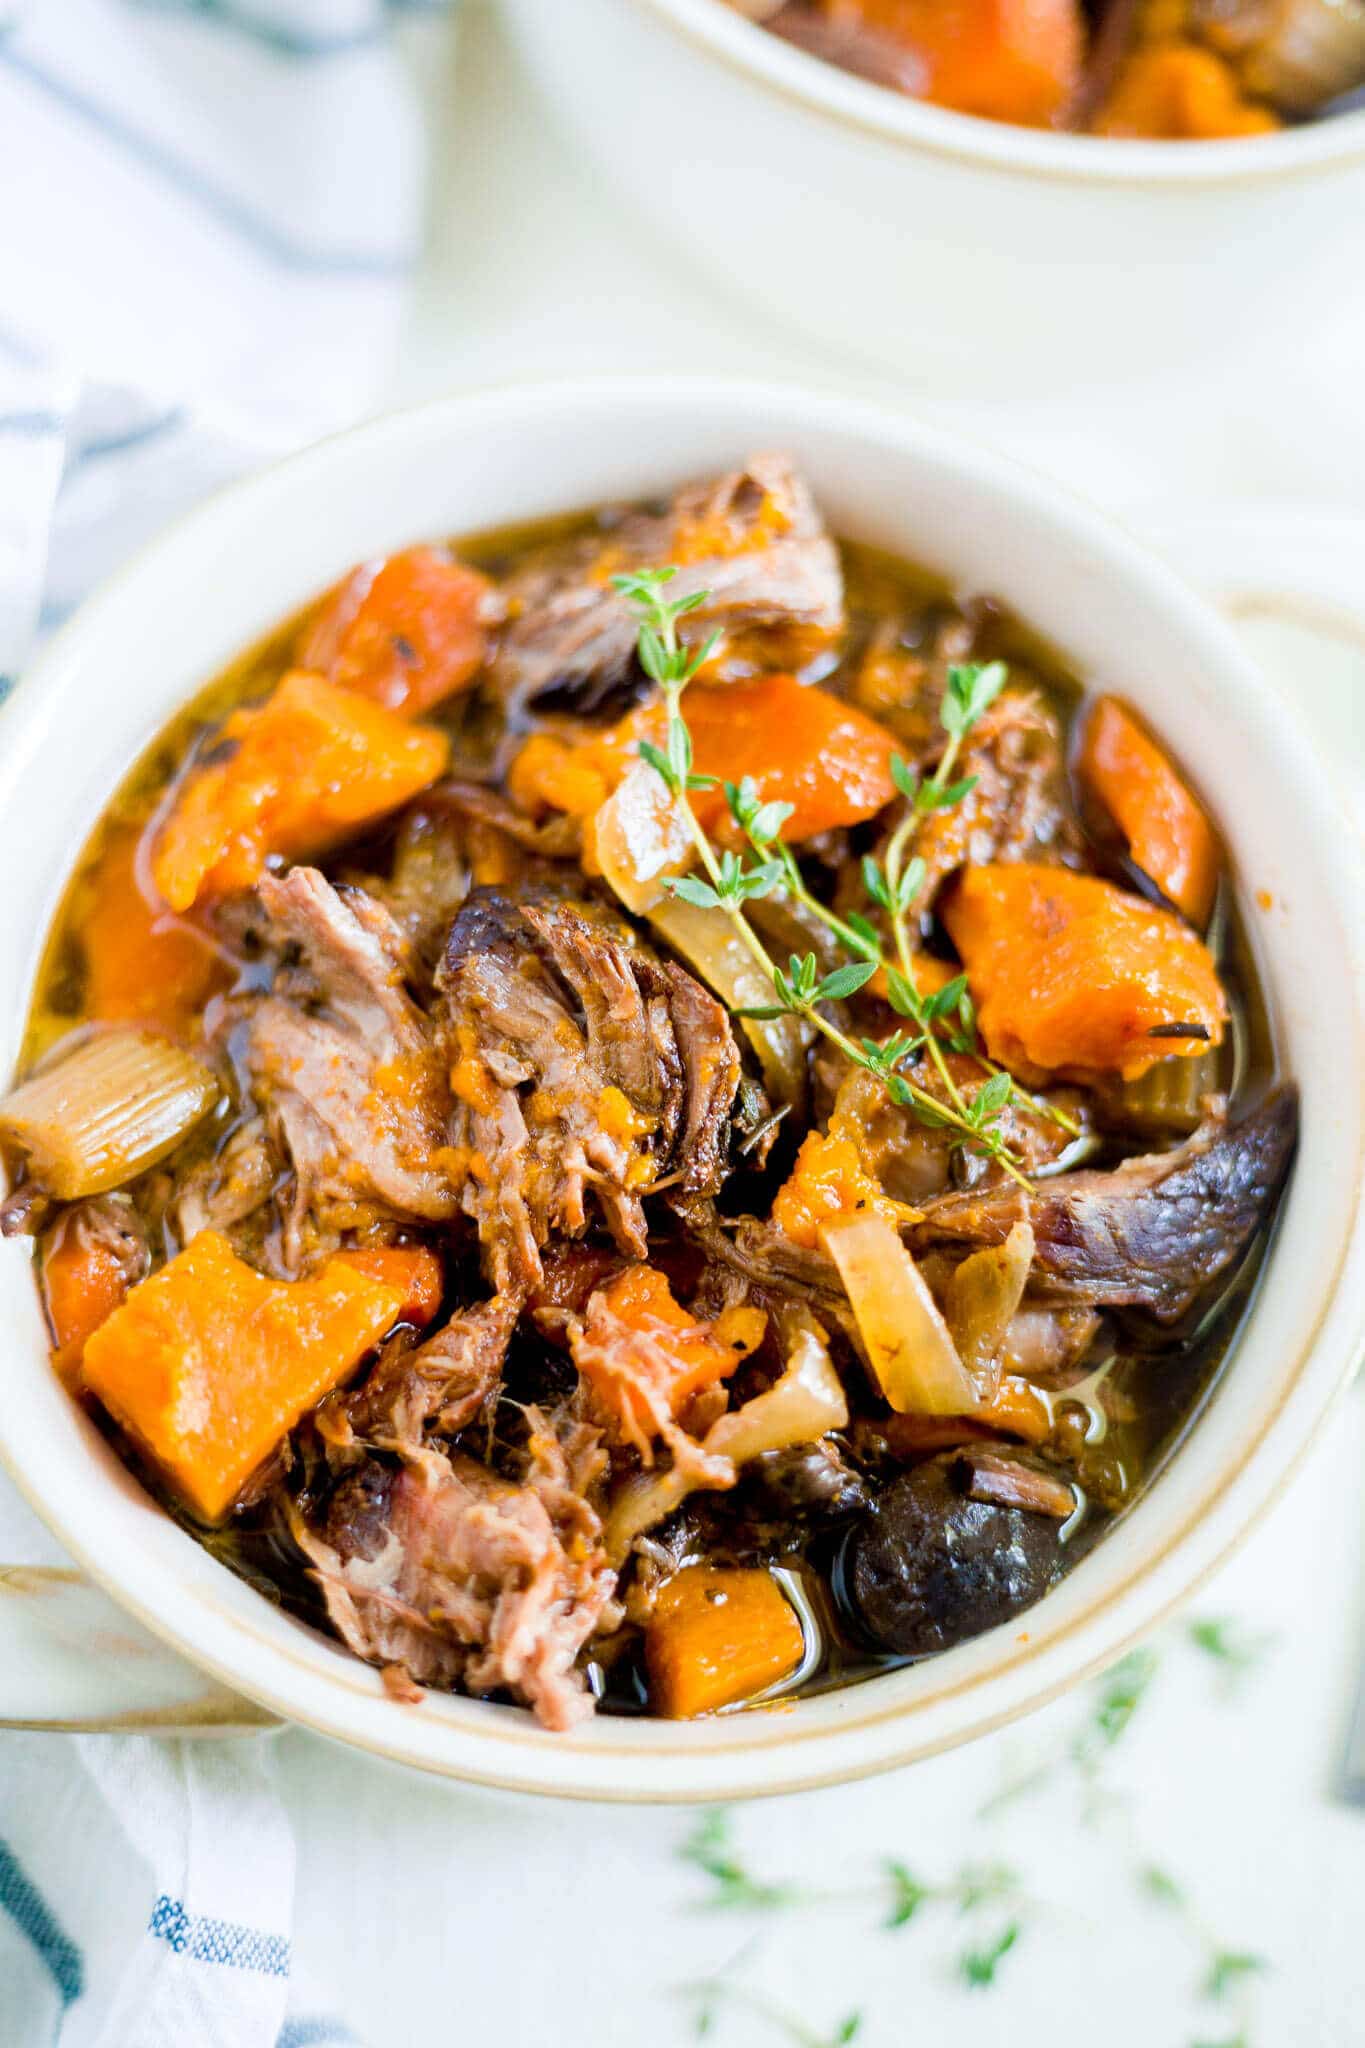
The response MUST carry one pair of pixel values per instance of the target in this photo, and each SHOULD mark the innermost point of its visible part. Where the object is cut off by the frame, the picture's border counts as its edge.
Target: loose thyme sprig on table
(800, 988)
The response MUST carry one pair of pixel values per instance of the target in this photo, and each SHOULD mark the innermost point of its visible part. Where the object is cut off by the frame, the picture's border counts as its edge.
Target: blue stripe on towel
(98, 447)
(31, 425)
(270, 35)
(20, 1898)
(314, 2032)
(260, 234)
(206, 1940)
(6, 685)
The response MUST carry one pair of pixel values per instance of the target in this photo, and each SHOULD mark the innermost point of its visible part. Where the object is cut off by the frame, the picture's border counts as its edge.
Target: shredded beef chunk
(753, 540)
(1018, 808)
(111, 1224)
(460, 1578)
(580, 1064)
(224, 1190)
(438, 1386)
(1151, 1233)
(344, 1066)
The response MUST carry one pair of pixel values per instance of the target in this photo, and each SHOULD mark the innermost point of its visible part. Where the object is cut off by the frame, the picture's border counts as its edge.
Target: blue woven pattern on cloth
(218, 1941)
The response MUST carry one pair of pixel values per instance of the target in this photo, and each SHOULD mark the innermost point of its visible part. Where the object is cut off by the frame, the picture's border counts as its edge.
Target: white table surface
(433, 1913)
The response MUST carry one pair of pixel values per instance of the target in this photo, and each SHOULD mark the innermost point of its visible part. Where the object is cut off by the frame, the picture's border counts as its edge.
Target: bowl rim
(671, 1765)
(876, 111)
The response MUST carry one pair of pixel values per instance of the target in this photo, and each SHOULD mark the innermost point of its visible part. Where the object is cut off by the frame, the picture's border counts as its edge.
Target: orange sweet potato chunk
(828, 1178)
(717, 1637)
(1072, 975)
(291, 776)
(413, 1270)
(142, 965)
(1177, 91)
(208, 1363)
(83, 1283)
(1008, 60)
(406, 632)
(799, 744)
(1167, 831)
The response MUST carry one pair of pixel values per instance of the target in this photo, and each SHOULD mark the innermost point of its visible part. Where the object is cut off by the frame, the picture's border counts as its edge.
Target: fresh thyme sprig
(731, 881)
(707, 1995)
(987, 1893)
(1235, 1650)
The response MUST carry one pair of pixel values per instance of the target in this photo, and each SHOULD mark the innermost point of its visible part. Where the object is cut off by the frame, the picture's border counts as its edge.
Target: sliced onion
(639, 838)
(708, 942)
(983, 1294)
(912, 1356)
(804, 1404)
(106, 1111)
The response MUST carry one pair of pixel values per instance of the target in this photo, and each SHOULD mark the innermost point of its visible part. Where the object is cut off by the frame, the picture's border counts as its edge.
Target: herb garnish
(978, 1891)
(731, 880)
(709, 1994)
(1232, 1648)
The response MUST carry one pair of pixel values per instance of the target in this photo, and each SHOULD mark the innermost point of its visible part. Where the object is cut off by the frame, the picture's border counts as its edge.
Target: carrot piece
(799, 744)
(828, 1179)
(1073, 975)
(1168, 833)
(413, 1271)
(717, 1637)
(83, 1283)
(301, 771)
(1008, 60)
(645, 1357)
(407, 631)
(142, 964)
(208, 1363)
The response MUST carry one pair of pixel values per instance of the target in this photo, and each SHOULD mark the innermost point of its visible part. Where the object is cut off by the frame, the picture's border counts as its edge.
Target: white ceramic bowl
(251, 556)
(966, 251)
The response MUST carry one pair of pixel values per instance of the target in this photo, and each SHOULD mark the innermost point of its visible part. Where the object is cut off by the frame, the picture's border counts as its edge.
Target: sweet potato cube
(1072, 975)
(208, 1363)
(717, 1637)
(292, 776)
(406, 632)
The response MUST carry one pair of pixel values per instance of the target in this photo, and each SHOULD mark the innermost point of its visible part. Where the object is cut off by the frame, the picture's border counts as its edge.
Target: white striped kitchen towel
(208, 211)
(216, 201)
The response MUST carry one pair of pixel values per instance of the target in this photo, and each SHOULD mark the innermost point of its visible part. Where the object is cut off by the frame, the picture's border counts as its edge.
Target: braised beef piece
(24, 1210)
(929, 1566)
(583, 1065)
(760, 1253)
(1019, 807)
(233, 1183)
(753, 539)
(1110, 42)
(913, 1162)
(1149, 1234)
(808, 1482)
(438, 1386)
(853, 45)
(343, 1065)
(458, 1577)
(111, 1223)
